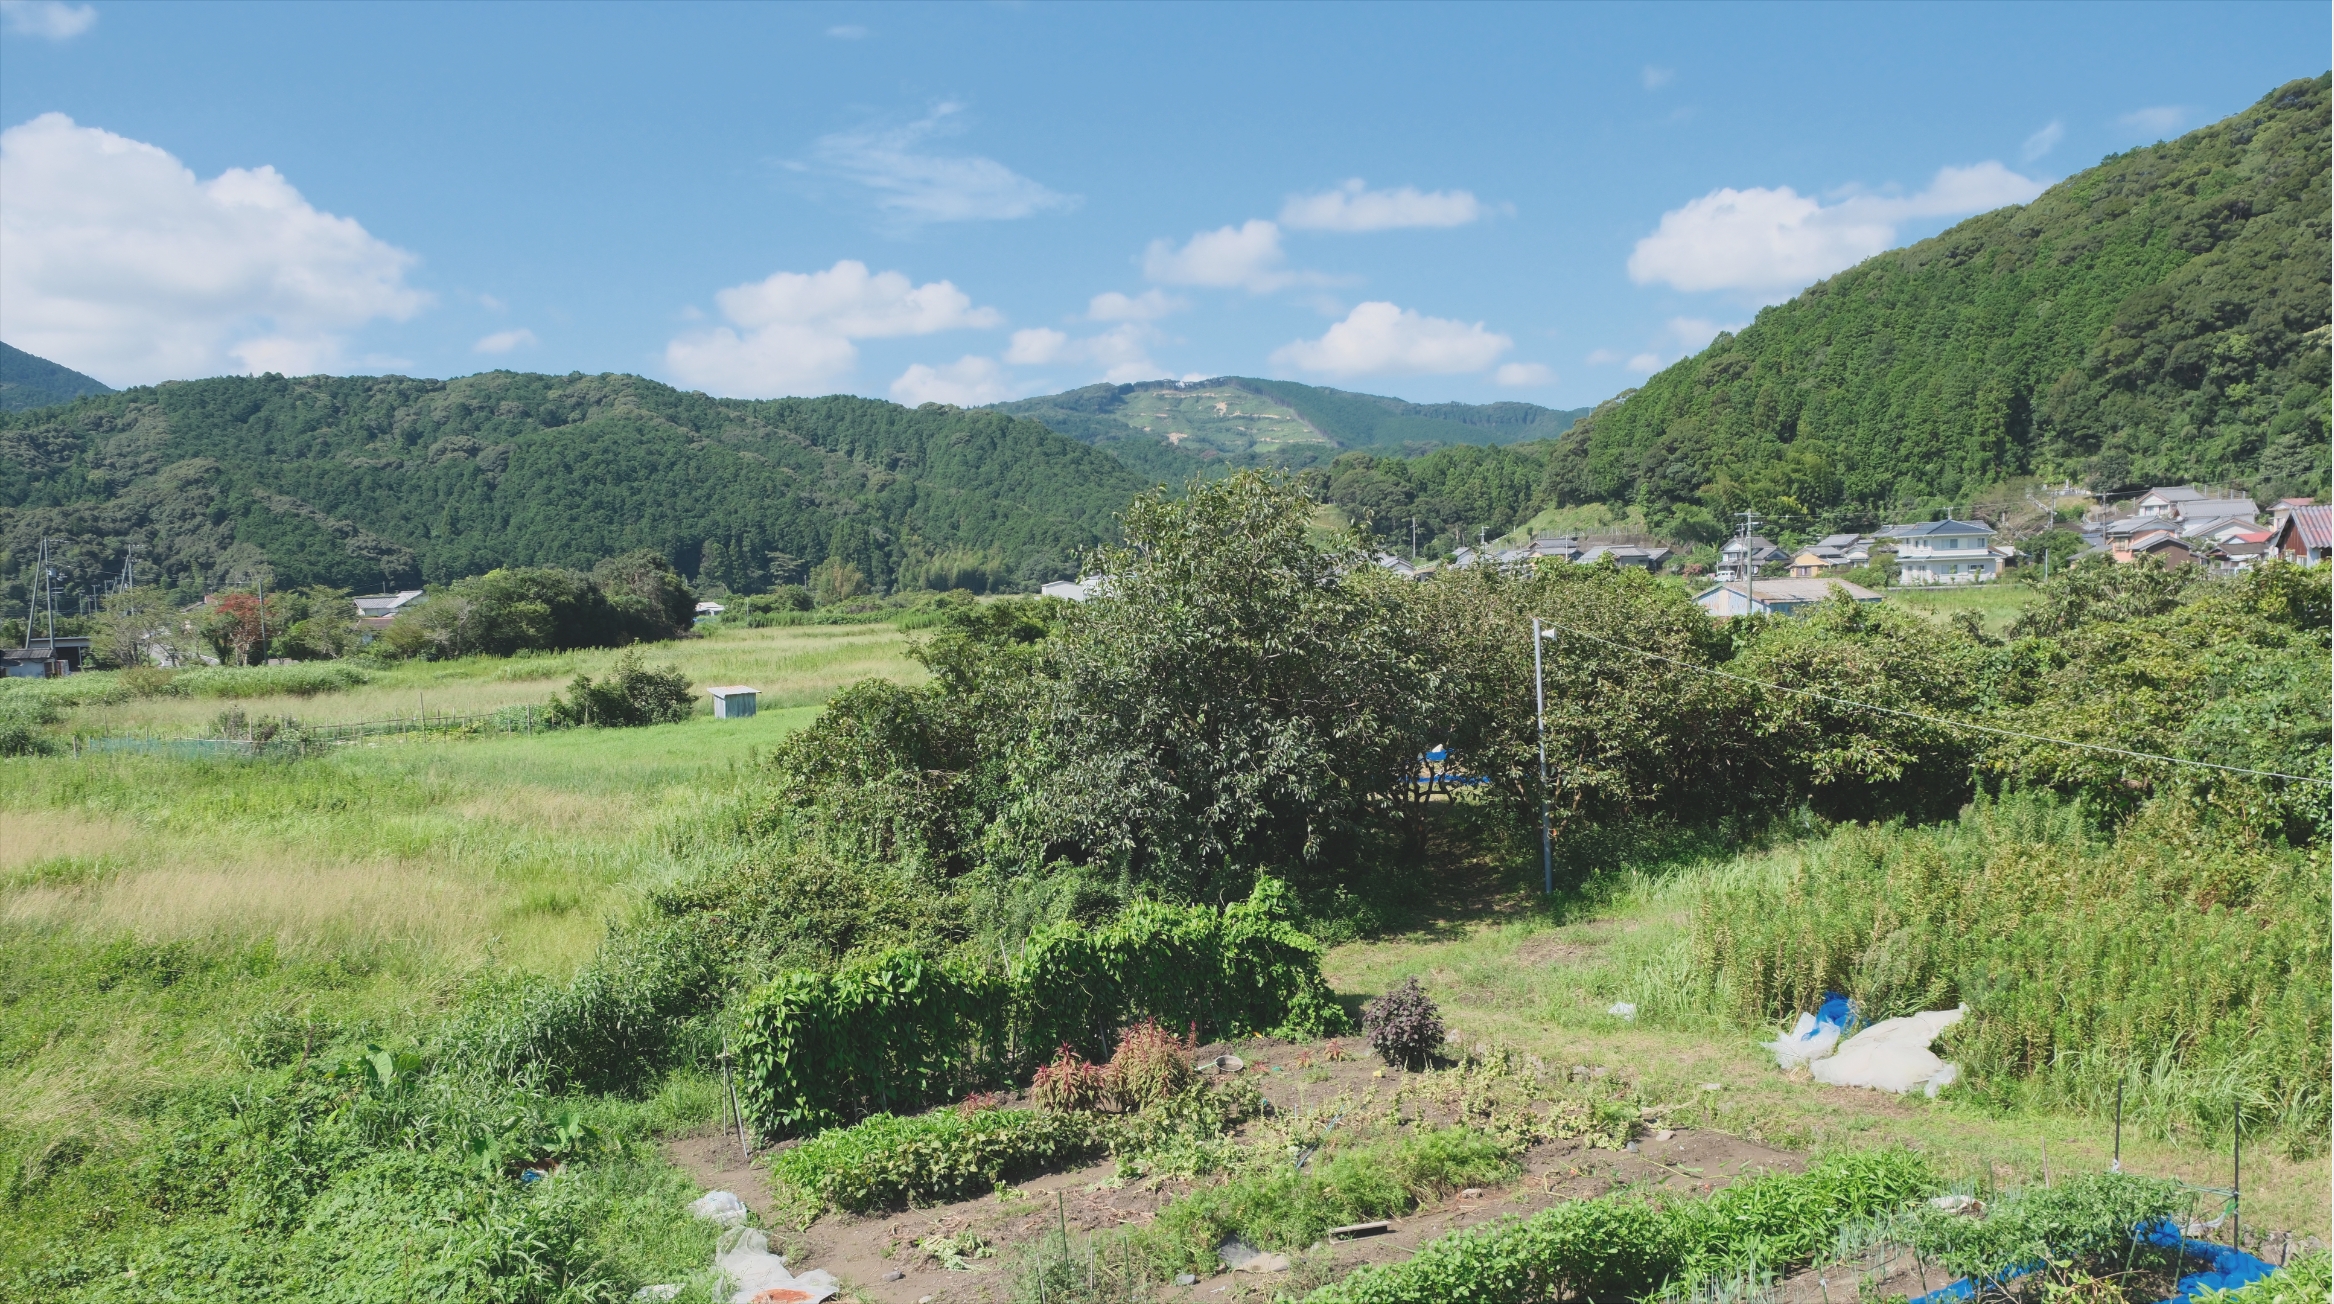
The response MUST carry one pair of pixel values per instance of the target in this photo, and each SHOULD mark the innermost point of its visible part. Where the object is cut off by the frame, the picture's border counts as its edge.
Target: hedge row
(892, 1032)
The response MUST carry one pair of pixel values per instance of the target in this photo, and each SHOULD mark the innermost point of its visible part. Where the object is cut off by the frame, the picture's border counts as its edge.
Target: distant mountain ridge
(369, 481)
(28, 382)
(2161, 318)
(1171, 430)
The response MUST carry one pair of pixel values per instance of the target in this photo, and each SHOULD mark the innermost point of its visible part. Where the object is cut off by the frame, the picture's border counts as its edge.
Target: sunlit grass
(1996, 604)
(364, 886)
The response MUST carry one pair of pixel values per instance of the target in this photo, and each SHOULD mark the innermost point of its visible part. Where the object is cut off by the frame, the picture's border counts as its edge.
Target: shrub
(633, 695)
(888, 1161)
(1404, 1026)
(1070, 1083)
(1151, 1065)
(22, 720)
(2307, 1280)
(896, 1030)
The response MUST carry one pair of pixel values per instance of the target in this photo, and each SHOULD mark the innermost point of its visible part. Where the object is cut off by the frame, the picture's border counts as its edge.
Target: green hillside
(2160, 318)
(28, 382)
(368, 481)
(1167, 431)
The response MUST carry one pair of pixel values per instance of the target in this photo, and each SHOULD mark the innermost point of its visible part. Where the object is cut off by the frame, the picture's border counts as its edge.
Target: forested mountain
(2160, 318)
(1169, 431)
(363, 482)
(28, 382)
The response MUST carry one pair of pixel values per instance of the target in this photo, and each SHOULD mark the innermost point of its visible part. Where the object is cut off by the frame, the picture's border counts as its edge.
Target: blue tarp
(2226, 1268)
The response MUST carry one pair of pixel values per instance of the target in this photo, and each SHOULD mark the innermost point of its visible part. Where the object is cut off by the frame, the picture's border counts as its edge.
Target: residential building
(2190, 503)
(1069, 590)
(1634, 556)
(1741, 557)
(384, 605)
(1947, 552)
(2305, 535)
(2165, 545)
(1814, 561)
(1775, 597)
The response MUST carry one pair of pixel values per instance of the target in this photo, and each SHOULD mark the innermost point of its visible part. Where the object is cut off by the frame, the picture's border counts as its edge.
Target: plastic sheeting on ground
(1893, 1055)
(2226, 1268)
(743, 1255)
(1815, 1034)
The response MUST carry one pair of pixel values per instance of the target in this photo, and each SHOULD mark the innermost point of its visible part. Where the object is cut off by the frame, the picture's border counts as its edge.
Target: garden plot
(967, 1249)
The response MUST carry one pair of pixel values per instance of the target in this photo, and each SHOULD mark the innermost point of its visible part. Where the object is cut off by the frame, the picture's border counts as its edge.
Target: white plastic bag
(1893, 1055)
(744, 1256)
(1807, 1040)
(720, 1206)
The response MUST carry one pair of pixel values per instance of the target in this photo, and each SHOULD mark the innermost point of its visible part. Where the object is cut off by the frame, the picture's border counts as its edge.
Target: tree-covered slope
(2160, 318)
(366, 481)
(1169, 431)
(28, 382)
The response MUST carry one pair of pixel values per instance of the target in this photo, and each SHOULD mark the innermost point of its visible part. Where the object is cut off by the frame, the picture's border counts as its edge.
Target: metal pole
(2237, 1179)
(1540, 712)
(2117, 1167)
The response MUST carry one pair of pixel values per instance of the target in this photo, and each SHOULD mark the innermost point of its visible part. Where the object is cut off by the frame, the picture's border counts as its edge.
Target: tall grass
(2180, 958)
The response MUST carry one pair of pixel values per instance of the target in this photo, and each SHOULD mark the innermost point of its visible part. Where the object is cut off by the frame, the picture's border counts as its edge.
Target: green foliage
(1450, 493)
(1284, 1207)
(1625, 1245)
(629, 599)
(24, 718)
(2159, 318)
(364, 482)
(2084, 1221)
(28, 382)
(2306, 1280)
(888, 1162)
(634, 694)
(306, 680)
(2180, 958)
(896, 1030)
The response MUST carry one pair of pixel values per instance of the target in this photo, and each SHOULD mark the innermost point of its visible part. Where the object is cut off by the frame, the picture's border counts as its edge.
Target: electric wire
(1935, 719)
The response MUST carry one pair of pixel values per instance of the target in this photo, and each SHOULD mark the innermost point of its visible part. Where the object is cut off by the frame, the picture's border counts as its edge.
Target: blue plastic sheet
(2225, 1268)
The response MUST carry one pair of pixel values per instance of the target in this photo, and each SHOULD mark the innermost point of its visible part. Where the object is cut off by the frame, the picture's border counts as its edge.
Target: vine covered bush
(897, 1030)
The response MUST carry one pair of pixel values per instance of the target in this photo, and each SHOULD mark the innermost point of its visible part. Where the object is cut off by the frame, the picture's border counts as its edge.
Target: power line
(1933, 719)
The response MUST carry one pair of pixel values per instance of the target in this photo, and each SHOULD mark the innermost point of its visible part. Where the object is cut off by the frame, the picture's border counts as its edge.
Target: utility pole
(1414, 541)
(1750, 565)
(1540, 711)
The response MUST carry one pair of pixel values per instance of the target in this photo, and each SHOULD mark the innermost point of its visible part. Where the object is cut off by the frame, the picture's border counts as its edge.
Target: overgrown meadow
(407, 1019)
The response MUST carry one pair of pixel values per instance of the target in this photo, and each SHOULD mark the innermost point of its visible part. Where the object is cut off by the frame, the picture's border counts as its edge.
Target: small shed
(734, 701)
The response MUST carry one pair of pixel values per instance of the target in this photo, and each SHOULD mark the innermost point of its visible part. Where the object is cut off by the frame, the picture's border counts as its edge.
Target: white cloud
(1123, 351)
(1693, 333)
(967, 382)
(1150, 305)
(1523, 374)
(117, 261)
(1247, 256)
(2161, 119)
(505, 341)
(918, 186)
(47, 18)
(792, 333)
(848, 32)
(1643, 363)
(1765, 239)
(1035, 347)
(2043, 141)
(1603, 357)
(1380, 339)
(1353, 207)
(1656, 78)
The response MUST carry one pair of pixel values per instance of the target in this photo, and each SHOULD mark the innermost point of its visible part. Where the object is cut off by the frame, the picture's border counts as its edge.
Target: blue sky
(974, 201)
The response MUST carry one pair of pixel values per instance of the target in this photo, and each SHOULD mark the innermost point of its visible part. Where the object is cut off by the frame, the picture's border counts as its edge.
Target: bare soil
(865, 1252)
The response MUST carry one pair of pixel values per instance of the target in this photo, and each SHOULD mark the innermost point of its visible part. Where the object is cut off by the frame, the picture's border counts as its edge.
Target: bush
(634, 695)
(1070, 1084)
(1404, 1026)
(1151, 1065)
(896, 1030)
(22, 720)
(2307, 1280)
(887, 1161)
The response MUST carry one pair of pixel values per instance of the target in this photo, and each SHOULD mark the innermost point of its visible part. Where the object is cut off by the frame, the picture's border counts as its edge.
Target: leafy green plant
(1151, 1064)
(889, 1161)
(1404, 1026)
(1070, 1083)
(2307, 1280)
(633, 694)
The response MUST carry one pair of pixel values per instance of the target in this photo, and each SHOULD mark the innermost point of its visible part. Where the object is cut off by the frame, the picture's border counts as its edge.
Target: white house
(1740, 557)
(1070, 590)
(377, 606)
(1947, 552)
(1775, 597)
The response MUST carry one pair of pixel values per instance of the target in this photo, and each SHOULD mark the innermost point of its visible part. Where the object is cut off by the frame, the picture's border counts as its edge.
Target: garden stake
(2236, 1177)
(2117, 1166)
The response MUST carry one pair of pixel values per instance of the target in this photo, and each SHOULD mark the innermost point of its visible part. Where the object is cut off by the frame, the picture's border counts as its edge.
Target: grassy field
(1506, 970)
(1996, 604)
(368, 883)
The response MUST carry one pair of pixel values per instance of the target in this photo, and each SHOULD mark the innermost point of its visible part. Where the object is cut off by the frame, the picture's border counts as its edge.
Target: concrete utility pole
(1750, 565)
(1540, 711)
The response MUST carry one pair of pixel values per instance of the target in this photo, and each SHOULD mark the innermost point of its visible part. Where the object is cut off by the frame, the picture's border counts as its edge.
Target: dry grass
(32, 837)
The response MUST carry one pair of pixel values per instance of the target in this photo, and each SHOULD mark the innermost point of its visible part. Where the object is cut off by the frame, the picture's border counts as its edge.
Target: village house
(1775, 597)
(2305, 534)
(1947, 552)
